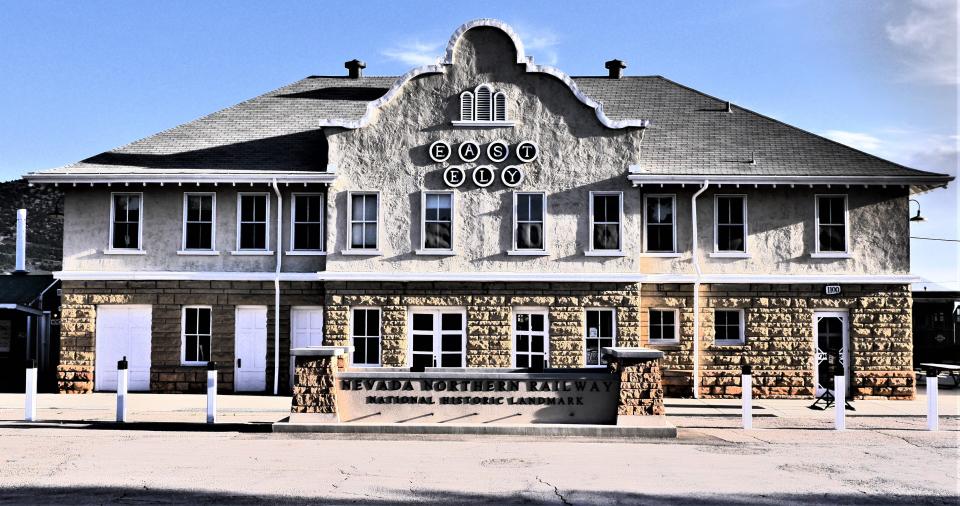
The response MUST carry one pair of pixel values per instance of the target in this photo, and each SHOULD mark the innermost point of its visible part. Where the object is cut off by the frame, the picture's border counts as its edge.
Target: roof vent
(616, 68)
(727, 107)
(355, 68)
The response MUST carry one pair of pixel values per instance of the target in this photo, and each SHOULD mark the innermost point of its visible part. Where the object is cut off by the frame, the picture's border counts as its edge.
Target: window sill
(435, 252)
(193, 364)
(604, 253)
(665, 344)
(124, 252)
(528, 253)
(729, 254)
(729, 343)
(666, 254)
(831, 254)
(365, 366)
(252, 253)
(360, 252)
(483, 123)
(306, 253)
(199, 252)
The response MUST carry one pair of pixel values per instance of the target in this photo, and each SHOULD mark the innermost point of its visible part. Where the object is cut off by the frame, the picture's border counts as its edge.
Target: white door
(250, 368)
(306, 329)
(831, 346)
(122, 331)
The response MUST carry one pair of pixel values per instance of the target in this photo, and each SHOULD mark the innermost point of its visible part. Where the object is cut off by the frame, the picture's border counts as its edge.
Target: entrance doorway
(250, 370)
(438, 338)
(831, 348)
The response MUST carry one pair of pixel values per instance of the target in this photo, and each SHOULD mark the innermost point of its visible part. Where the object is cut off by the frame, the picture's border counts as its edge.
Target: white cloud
(927, 36)
(916, 149)
(858, 140)
(414, 53)
(541, 43)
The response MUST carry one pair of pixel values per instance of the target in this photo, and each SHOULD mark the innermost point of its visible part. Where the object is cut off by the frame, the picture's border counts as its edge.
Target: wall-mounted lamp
(917, 218)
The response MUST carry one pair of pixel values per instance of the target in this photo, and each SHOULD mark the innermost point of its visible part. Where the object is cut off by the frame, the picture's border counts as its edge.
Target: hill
(44, 205)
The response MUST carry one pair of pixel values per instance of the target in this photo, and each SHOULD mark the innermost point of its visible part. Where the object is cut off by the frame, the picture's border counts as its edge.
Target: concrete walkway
(691, 413)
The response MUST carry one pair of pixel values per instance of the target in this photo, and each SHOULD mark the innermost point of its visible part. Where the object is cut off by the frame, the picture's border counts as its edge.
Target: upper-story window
(483, 106)
(831, 218)
(126, 221)
(659, 231)
(199, 217)
(253, 222)
(529, 210)
(606, 222)
(437, 224)
(307, 227)
(731, 222)
(364, 211)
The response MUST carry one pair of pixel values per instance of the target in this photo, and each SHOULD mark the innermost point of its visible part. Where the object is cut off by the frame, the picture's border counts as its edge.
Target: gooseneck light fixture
(917, 218)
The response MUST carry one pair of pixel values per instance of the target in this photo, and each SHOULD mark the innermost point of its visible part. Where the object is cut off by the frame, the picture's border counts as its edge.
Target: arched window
(499, 106)
(466, 106)
(484, 112)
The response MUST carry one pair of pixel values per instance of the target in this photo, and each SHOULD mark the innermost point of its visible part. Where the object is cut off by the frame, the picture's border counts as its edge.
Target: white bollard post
(123, 377)
(211, 392)
(746, 387)
(840, 400)
(933, 410)
(30, 399)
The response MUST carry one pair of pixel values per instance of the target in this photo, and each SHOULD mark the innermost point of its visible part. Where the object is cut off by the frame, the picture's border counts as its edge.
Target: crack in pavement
(556, 492)
(346, 476)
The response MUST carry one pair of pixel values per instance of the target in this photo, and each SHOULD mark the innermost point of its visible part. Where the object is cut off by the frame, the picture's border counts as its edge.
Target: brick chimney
(616, 68)
(355, 68)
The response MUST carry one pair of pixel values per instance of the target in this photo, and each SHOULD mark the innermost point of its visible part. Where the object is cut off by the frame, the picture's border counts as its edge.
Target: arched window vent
(483, 106)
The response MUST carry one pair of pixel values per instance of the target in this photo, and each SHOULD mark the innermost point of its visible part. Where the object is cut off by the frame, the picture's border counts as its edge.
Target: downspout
(696, 291)
(276, 292)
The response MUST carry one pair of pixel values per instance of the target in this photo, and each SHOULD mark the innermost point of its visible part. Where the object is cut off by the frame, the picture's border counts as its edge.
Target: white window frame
(475, 120)
(266, 243)
(586, 334)
(514, 250)
(437, 312)
(323, 224)
(546, 333)
(717, 252)
(673, 217)
(816, 228)
(379, 336)
(348, 239)
(676, 326)
(183, 335)
(424, 250)
(213, 226)
(471, 108)
(125, 251)
(499, 96)
(604, 252)
(741, 333)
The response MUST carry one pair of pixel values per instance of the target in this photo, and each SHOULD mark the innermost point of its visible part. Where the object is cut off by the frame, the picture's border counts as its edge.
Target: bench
(952, 370)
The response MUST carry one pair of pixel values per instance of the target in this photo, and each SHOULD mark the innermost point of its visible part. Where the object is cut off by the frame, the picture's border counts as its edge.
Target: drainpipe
(276, 292)
(696, 292)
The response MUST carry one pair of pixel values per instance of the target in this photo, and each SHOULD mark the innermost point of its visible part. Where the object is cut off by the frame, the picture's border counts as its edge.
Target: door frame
(236, 370)
(97, 378)
(323, 334)
(545, 311)
(437, 332)
(844, 315)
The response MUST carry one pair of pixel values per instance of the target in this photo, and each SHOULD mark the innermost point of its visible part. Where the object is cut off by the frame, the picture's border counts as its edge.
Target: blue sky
(80, 78)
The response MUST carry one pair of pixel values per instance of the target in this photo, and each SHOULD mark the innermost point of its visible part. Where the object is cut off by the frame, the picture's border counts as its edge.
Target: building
(936, 327)
(488, 211)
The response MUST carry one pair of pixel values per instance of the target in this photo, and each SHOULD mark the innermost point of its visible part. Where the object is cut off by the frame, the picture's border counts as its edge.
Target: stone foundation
(313, 386)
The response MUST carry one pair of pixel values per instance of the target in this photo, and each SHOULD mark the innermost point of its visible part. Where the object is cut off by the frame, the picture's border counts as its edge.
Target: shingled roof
(691, 135)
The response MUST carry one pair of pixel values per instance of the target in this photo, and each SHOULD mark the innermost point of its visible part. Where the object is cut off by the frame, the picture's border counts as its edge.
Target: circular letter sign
(512, 176)
(497, 151)
(454, 176)
(439, 151)
(469, 151)
(527, 151)
(484, 175)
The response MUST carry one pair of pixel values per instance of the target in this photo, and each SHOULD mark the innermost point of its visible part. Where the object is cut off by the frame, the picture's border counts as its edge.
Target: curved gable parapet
(447, 59)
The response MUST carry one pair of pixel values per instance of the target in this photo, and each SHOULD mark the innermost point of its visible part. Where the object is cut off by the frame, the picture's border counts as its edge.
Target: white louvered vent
(466, 106)
(499, 106)
(484, 112)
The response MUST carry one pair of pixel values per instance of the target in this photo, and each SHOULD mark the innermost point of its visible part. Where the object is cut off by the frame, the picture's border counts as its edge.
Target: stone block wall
(488, 307)
(166, 298)
(314, 389)
(641, 388)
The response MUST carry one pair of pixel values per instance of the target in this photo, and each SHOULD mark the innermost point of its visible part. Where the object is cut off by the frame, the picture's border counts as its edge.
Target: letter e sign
(439, 151)
(454, 176)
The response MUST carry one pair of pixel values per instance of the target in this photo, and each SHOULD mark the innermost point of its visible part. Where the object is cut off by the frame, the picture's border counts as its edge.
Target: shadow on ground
(128, 495)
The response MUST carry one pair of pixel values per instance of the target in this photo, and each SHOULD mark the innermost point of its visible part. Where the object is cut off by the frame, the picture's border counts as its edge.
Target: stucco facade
(777, 298)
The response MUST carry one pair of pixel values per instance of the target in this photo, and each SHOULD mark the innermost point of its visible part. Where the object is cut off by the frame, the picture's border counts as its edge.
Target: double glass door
(831, 345)
(437, 338)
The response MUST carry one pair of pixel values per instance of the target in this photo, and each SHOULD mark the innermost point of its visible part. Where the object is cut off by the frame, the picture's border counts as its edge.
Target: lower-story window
(365, 334)
(663, 325)
(530, 339)
(438, 338)
(728, 325)
(601, 333)
(195, 337)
